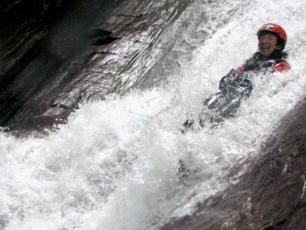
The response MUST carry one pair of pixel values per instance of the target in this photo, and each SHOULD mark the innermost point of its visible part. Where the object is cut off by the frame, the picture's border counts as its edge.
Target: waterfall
(114, 165)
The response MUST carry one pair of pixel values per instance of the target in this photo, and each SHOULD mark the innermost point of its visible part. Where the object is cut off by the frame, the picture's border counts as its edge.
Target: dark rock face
(270, 195)
(57, 54)
(38, 40)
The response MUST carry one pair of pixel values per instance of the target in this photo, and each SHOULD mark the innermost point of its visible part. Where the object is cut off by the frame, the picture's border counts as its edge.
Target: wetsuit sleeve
(281, 66)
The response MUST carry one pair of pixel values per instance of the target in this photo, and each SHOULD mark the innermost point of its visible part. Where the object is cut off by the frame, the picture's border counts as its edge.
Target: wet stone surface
(58, 54)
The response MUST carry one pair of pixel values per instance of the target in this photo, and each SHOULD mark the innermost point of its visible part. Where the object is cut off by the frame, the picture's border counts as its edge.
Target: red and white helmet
(275, 29)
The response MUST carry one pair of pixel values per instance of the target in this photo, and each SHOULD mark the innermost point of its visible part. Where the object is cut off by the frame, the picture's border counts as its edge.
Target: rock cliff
(57, 54)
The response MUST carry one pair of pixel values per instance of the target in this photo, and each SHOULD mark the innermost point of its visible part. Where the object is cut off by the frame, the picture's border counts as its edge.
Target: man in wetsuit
(272, 40)
(236, 85)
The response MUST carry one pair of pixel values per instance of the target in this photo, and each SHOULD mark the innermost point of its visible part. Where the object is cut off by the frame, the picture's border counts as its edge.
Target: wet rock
(58, 54)
(270, 195)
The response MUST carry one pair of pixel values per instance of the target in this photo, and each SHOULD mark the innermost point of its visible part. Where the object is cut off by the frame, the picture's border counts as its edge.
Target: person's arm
(281, 66)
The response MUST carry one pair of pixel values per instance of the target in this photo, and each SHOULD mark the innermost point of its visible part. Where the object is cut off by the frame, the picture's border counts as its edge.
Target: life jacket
(276, 62)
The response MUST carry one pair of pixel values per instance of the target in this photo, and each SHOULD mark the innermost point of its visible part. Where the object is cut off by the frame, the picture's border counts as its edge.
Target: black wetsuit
(234, 87)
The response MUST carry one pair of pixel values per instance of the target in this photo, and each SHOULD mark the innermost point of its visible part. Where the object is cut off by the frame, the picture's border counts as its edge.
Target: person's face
(267, 43)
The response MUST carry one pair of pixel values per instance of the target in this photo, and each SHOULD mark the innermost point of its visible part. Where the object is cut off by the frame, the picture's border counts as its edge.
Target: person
(272, 39)
(236, 85)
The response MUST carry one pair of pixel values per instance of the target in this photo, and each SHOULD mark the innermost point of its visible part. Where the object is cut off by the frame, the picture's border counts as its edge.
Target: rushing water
(114, 165)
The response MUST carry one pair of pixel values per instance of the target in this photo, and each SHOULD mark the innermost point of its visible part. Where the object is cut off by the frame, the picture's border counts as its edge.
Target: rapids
(114, 165)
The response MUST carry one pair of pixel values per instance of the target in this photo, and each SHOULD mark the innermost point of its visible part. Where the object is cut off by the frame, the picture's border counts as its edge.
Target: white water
(113, 166)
